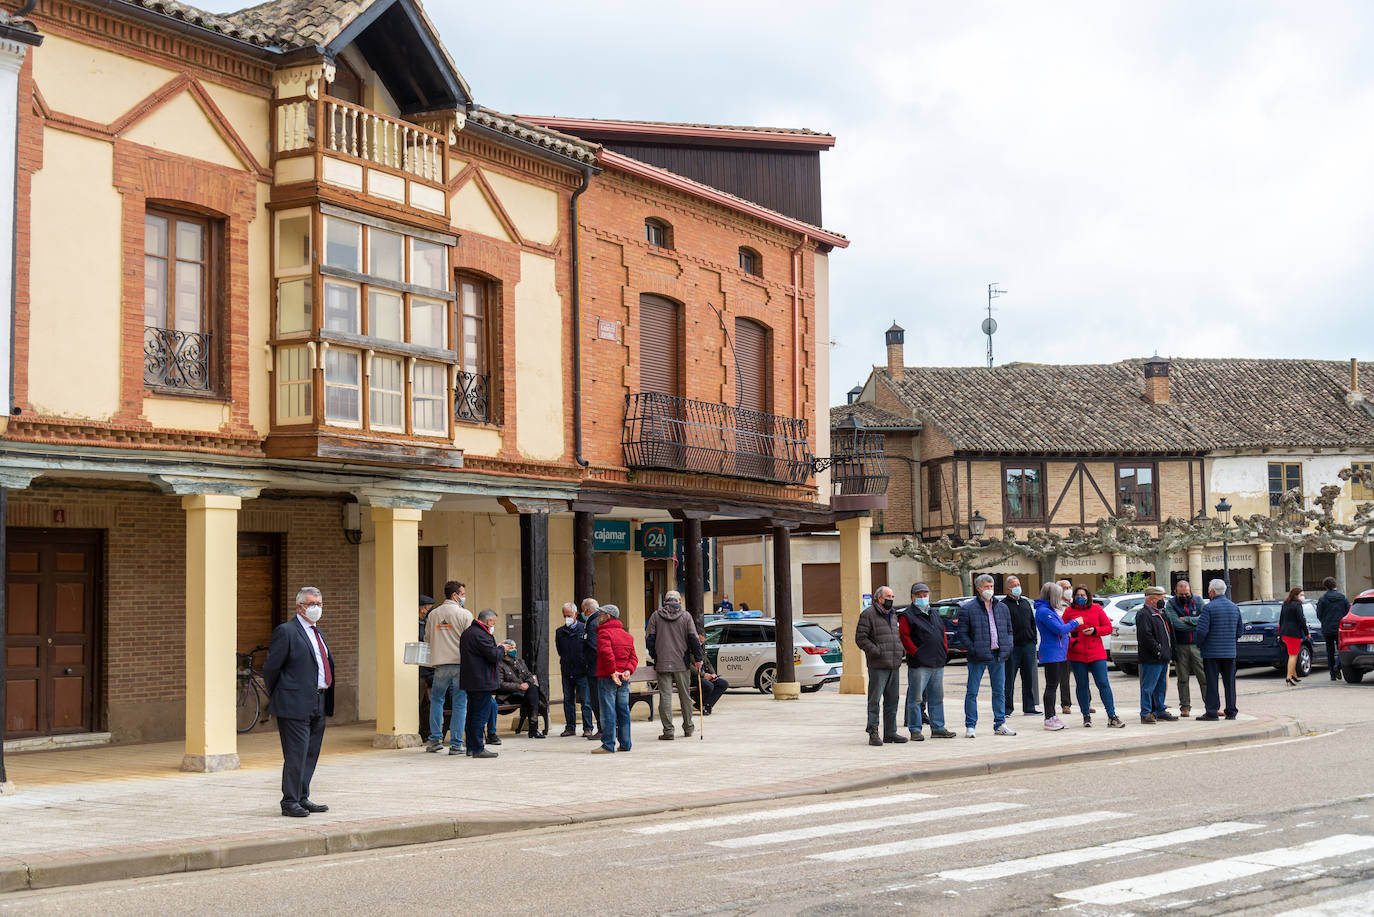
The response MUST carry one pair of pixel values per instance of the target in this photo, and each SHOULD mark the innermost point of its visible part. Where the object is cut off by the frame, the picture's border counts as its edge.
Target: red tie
(324, 658)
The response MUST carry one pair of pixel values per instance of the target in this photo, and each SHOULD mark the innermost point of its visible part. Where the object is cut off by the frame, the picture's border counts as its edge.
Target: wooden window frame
(935, 479)
(1007, 517)
(213, 296)
(664, 230)
(1358, 490)
(1283, 483)
(1154, 488)
(750, 261)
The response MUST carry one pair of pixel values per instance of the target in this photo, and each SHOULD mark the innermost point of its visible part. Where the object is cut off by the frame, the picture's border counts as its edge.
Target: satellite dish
(989, 325)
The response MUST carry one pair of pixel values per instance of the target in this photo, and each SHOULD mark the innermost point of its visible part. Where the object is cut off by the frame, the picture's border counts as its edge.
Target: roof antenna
(990, 323)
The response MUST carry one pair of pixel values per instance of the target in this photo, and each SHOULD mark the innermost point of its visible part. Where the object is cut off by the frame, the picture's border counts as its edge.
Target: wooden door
(261, 606)
(52, 589)
(655, 585)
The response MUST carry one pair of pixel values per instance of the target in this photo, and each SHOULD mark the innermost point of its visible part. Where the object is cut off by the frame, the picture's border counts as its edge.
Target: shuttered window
(658, 346)
(753, 363)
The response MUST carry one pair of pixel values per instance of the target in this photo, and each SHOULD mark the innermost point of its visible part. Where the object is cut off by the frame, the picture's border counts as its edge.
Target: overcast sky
(1190, 177)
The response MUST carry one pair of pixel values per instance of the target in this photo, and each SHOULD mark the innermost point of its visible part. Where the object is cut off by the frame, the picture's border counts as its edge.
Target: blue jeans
(1098, 670)
(1154, 681)
(928, 685)
(574, 687)
(997, 677)
(615, 714)
(446, 688)
(480, 707)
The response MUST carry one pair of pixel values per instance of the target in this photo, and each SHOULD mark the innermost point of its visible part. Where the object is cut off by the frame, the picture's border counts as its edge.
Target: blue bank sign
(611, 535)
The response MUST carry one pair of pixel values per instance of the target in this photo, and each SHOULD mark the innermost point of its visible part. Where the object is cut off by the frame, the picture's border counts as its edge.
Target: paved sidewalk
(87, 815)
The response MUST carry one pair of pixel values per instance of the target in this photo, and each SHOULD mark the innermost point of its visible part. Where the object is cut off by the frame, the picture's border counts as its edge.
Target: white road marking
(1356, 905)
(1100, 852)
(851, 827)
(744, 818)
(1189, 877)
(964, 837)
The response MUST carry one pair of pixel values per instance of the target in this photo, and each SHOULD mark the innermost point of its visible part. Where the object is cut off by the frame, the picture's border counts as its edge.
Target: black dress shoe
(493, 739)
(294, 811)
(309, 806)
(483, 754)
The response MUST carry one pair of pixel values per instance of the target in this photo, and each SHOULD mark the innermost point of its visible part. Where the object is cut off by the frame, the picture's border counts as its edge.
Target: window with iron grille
(181, 297)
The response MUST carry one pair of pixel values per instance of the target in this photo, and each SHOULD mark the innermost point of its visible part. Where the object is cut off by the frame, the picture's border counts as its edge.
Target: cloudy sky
(1187, 177)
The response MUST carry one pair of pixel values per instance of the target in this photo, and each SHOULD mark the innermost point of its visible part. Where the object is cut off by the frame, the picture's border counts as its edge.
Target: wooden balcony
(338, 145)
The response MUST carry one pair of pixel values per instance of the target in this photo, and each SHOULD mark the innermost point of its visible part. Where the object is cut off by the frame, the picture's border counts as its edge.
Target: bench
(648, 694)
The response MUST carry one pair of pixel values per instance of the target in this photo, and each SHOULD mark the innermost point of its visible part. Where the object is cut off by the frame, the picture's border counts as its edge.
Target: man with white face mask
(985, 630)
(569, 640)
(299, 673)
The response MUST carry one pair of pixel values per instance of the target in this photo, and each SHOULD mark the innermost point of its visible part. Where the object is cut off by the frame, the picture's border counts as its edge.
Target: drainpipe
(577, 322)
(796, 326)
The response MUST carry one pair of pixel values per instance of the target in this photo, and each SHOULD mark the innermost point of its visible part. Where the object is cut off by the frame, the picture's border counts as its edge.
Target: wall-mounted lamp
(353, 523)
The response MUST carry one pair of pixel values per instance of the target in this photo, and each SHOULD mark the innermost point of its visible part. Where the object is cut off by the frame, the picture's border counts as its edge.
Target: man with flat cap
(923, 637)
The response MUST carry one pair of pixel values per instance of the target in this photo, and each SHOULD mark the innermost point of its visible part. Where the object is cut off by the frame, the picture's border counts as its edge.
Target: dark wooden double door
(52, 600)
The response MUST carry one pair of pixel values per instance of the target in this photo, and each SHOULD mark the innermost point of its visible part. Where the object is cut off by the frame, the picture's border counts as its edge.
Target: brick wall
(141, 689)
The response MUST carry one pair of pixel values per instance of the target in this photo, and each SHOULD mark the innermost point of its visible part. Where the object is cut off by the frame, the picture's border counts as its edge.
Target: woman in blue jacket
(1054, 647)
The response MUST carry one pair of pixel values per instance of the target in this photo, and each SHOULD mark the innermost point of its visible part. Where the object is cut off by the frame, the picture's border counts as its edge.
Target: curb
(47, 871)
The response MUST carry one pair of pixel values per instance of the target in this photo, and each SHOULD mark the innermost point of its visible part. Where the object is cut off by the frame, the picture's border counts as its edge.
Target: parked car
(948, 610)
(1356, 638)
(745, 653)
(1125, 649)
(1258, 642)
(1115, 607)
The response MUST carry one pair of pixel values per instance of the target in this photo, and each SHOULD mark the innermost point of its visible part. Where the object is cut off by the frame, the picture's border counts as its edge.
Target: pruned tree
(958, 559)
(1047, 548)
(1120, 535)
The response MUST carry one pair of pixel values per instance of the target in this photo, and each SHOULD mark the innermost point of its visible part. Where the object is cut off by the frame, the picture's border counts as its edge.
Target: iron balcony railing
(858, 464)
(177, 360)
(470, 401)
(681, 434)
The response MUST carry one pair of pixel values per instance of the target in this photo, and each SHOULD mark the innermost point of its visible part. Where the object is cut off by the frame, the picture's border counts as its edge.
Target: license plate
(1250, 638)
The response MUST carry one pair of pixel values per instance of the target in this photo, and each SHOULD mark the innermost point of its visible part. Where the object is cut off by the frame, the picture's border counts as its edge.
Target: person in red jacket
(1087, 655)
(616, 662)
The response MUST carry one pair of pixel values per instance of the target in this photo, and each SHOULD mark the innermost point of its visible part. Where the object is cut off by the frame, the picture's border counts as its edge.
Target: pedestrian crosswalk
(1111, 860)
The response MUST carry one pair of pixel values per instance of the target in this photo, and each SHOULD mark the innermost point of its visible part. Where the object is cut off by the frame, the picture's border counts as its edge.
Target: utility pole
(990, 323)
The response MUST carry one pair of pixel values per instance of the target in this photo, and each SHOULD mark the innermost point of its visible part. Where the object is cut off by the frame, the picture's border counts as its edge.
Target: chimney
(1157, 380)
(896, 335)
(1354, 374)
(854, 394)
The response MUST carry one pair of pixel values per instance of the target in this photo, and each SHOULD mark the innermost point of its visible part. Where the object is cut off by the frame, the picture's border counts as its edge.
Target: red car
(1357, 638)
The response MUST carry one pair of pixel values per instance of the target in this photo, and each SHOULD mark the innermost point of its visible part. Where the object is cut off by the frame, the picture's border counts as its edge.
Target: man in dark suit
(300, 685)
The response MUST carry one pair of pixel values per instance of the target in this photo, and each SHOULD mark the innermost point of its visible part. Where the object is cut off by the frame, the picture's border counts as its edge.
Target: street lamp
(977, 525)
(1224, 515)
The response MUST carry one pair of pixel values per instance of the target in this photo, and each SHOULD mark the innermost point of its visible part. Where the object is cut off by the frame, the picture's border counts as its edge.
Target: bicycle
(252, 690)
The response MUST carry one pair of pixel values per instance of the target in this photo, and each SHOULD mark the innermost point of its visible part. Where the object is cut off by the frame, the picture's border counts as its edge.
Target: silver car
(745, 654)
(1115, 608)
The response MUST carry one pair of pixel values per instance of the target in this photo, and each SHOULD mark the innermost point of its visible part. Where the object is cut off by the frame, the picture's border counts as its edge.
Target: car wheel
(1304, 666)
(1128, 670)
(765, 678)
(811, 689)
(1354, 676)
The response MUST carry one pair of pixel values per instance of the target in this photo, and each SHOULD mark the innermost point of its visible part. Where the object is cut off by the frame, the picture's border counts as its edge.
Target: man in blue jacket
(1217, 629)
(985, 629)
(569, 640)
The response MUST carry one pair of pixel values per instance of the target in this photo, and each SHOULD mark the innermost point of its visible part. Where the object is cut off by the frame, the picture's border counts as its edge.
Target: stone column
(1195, 570)
(1340, 569)
(212, 529)
(786, 686)
(397, 583)
(856, 581)
(1264, 570)
(693, 596)
(1118, 566)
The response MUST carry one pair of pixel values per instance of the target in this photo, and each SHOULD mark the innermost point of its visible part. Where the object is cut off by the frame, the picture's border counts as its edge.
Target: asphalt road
(1271, 828)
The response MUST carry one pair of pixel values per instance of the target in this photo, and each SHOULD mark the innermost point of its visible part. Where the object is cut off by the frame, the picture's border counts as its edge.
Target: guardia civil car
(743, 652)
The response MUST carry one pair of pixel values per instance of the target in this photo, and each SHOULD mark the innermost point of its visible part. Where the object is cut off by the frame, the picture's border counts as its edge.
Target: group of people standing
(1062, 631)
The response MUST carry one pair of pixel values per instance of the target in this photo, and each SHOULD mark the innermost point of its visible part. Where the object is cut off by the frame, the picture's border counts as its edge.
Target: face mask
(1081, 601)
(510, 653)
(1016, 591)
(569, 622)
(922, 603)
(462, 601)
(1302, 598)
(490, 626)
(887, 604)
(312, 612)
(986, 594)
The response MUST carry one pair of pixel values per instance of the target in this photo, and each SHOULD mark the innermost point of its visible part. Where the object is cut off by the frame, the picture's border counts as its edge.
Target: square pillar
(1195, 571)
(396, 561)
(212, 528)
(856, 581)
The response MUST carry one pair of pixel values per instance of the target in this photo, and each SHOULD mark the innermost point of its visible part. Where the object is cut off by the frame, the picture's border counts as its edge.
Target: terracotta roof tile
(551, 140)
(1213, 404)
(299, 23)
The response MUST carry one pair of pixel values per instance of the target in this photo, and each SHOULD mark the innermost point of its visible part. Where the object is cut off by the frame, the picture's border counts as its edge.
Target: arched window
(750, 261)
(658, 233)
